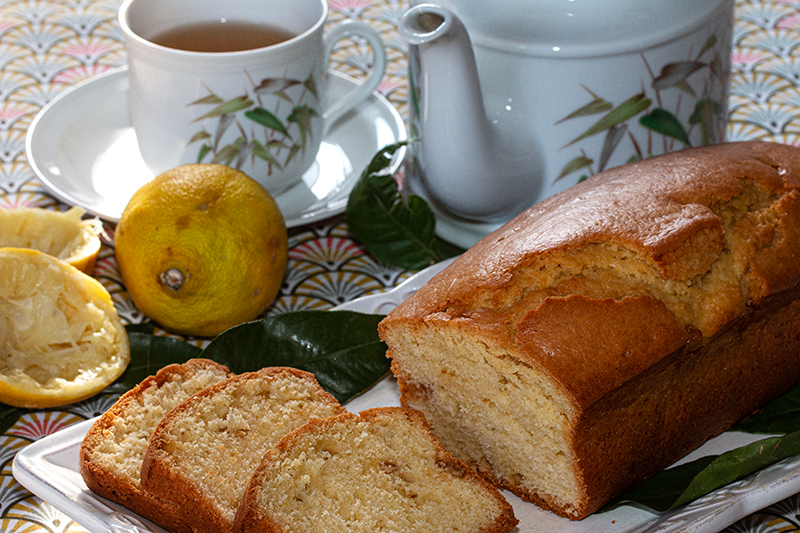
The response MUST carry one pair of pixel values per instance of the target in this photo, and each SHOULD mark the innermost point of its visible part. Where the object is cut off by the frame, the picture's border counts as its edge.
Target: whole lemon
(202, 248)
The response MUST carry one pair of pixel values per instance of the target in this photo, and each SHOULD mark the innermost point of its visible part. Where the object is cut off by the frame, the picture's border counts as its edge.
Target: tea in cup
(241, 83)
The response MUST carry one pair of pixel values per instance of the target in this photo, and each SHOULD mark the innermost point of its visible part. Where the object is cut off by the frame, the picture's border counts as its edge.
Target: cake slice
(112, 451)
(380, 471)
(202, 454)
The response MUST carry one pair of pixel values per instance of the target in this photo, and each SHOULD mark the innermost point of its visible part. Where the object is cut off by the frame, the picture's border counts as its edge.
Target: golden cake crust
(657, 277)
(224, 417)
(127, 491)
(299, 448)
(659, 209)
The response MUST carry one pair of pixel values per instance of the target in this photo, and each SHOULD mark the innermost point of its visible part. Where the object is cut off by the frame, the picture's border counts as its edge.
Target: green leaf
(210, 99)
(781, 415)
(283, 96)
(293, 151)
(709, 44)
(685, 87)
(613, 137)
(741, 462)
(674, 73)
(8, 417)
(398, 232)
(574, 165)
(302, 116)
(150, 353)
(274, 85)
(663, 489)
(231, 106)
(266, 119)
(259, 150)
(201, 135)
(663, 122)
(680, 485)
(598, 105)
(704, 110)
(228, 152)
(143, 327)
(341, 348)
(204, 150)
(626, 110)
(311, 85)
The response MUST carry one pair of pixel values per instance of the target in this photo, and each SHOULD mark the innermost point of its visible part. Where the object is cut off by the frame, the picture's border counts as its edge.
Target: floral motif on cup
(664, 125)
(276, 135)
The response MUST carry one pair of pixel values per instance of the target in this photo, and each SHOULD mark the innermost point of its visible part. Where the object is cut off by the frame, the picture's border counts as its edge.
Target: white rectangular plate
(49, 469)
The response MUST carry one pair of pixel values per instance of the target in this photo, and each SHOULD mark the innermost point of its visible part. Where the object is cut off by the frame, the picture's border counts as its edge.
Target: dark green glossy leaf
(266, 119)
(150, 353)
(680, 485)
(144, 327)
(397, 231)
(8, 417)
(781, 415)
(625, 111)
(663, 489)
(663, 122)
(739, 463)
(341, 348)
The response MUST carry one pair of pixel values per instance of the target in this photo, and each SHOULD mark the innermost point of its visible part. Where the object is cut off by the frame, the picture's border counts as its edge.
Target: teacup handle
(341, 31)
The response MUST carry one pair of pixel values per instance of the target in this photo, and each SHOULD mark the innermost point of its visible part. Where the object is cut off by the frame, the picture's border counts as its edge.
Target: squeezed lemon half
(61, 340)
(64, 235)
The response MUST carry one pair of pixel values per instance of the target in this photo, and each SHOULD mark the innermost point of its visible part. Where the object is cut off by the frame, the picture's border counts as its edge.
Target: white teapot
(514, 100)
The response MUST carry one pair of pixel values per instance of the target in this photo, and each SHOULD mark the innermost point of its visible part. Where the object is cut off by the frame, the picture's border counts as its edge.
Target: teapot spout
(457, 156)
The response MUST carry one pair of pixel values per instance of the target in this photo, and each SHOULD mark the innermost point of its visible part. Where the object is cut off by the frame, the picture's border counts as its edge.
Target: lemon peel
(61, 340)
(64, 235)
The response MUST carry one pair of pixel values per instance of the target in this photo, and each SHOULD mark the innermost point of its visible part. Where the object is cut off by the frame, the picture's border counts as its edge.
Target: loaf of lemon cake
(112, 451)
(612, 328)
(203, 452)
(378, 472)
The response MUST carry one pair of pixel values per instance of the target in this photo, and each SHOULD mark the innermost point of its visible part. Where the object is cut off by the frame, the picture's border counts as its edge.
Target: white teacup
(261, 109)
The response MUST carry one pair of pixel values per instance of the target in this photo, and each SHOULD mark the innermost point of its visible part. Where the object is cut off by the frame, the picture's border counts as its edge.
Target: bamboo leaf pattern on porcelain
(658, 121)
(273, 135)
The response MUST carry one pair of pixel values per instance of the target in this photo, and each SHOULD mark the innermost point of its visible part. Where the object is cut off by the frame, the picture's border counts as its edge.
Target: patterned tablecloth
(48, 45)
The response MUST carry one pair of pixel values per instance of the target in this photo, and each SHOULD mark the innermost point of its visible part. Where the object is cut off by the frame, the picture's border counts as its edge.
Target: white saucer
(82, 147)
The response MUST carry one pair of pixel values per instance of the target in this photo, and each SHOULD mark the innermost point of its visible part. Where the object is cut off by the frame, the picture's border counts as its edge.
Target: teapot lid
(580, 28)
